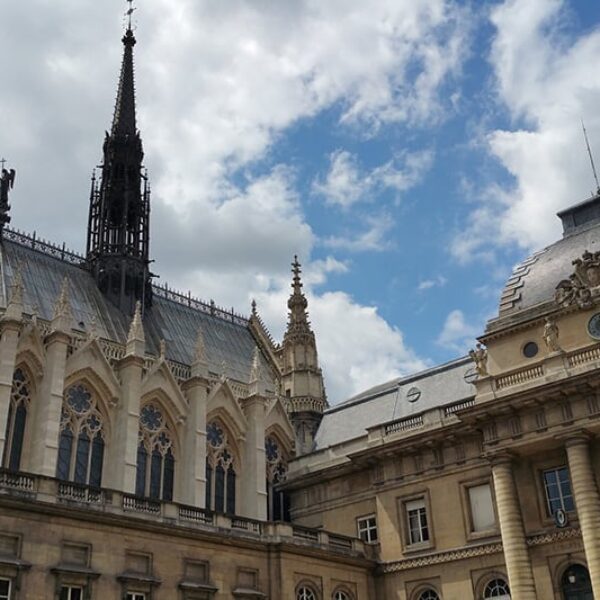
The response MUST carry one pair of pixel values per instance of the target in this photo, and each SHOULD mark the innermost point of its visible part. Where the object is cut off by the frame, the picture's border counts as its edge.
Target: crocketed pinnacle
(124, 118)
(256, 371)
(136, 330)
(62, 308)
(297, 302)
(200, 349)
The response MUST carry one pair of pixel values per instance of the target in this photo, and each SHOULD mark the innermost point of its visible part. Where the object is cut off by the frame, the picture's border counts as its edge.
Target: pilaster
(587, 502)
(254, 493)
(516, 553)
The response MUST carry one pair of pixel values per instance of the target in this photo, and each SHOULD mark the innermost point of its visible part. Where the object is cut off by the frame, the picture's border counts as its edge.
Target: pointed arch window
(220, 471)
(81, 442)
(278, 505)
(155, 472)
(18, 408)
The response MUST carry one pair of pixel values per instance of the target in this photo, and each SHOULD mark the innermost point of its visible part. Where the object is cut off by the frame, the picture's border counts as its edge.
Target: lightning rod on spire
(587, 143)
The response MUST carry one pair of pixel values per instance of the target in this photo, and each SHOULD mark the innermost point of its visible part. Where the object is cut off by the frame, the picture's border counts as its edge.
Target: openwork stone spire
(302, 379)
(118, 230)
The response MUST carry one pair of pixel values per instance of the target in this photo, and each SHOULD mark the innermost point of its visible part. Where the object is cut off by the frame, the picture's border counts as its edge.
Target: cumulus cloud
(457, 333)
(371, 239)
(346, 183)
(427, 284)
(546, 95)
(217, 84)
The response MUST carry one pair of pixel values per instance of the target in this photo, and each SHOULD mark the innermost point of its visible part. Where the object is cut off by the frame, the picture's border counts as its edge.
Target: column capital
(582, 437)
(501, 458)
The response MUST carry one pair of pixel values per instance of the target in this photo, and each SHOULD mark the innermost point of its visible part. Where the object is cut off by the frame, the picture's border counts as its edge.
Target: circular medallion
(560, 517)
(413, 394)
(593, 326)
(530, 349)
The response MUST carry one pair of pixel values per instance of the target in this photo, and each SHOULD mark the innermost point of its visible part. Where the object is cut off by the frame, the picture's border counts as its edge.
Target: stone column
(254, 468)
(516, 553)
(121, 470)
(44, 449)
(587, 502)
(193, 461)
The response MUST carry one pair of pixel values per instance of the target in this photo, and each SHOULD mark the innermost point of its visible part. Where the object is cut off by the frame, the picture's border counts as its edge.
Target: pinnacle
(136, 330)
(256, 370)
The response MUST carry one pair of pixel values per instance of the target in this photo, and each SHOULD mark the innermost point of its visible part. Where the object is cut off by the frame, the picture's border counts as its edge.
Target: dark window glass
(64, 454)
(140, 473)
(219, 489)
(168, 476)
(81, 459)
(17, 438)
(155, 471)
(530, 349)
(277, 506)
(558, 490)
(286, 507)
(97, 461)
(7, 434)
(208, 486)
(4, 589)
(230, 490)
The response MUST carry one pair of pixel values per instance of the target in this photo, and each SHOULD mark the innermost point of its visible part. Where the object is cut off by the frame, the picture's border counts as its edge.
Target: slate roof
(439, 386)
(533, 281)
(226, 336)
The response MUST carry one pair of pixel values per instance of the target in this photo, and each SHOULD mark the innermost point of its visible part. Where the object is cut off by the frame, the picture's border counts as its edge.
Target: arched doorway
(576, 584)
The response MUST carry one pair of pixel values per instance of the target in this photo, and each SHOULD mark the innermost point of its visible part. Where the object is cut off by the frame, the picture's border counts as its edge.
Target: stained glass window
(277, 500)
(155, 472)
(81, 442)
(220, 470)
(17, 419)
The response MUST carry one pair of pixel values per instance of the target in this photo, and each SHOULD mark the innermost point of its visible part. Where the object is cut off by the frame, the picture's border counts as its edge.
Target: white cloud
(547, 82)
(427, 284)
(373, 239)
(457, 334)
(346, 183)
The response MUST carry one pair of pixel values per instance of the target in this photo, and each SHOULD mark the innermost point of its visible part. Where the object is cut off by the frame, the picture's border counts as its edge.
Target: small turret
(302, 379)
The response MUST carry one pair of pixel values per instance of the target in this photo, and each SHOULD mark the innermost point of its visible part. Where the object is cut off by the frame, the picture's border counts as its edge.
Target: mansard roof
(397, 399)
(172, 317)
(533, 282)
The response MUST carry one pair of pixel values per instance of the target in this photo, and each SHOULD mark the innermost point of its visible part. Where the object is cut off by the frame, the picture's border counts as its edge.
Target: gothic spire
(124, 116)
(297, 303)
(118, 230)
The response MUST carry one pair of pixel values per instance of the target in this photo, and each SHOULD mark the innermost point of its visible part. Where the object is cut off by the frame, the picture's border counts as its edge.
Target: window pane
(209, 503)
(97, 461)
(140, 473)
(231, 491)
(17, 437)
(219, 489)
(482, 509)
(569, 504)
(550, 477)
(168, 476)
(155, 472)
(81, 458)
(64, 454)
(4, 589)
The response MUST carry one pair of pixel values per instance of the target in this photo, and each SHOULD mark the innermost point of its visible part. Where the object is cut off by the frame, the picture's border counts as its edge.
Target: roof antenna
(587, 143)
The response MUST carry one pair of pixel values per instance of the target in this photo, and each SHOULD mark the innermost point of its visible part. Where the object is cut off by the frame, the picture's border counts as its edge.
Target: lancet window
(82, 433)
(220, 470)
(155, 459)
(18, 408)
(278, 506)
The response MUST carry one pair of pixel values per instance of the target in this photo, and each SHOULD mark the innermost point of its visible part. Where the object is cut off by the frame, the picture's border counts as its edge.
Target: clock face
(594, 326)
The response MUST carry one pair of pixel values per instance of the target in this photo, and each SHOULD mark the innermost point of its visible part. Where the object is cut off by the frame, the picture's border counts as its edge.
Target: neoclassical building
(157, 447)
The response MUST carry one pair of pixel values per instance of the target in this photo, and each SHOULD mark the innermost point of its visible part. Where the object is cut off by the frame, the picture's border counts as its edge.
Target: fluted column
(587, 502)
(516, 553)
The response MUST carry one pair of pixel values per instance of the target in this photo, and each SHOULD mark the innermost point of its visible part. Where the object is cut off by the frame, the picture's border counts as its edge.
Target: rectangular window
(367, 529)
(557, 486)
(416, 515)
(5, 585)
(68, 592)
(136, 596)
(482, 508)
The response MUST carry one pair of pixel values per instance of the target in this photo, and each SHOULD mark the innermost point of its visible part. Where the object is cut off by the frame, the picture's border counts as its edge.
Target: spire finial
(63, 314)
(129, 13)
(253, 305)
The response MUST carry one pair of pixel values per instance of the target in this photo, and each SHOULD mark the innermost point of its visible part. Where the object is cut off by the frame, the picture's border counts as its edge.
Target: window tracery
(341, 595)
(155, 471)
(305, 593)
(497, 588)
(277, 500)
(18, 408)
(220, 470)
(82, 438)
(429, 595)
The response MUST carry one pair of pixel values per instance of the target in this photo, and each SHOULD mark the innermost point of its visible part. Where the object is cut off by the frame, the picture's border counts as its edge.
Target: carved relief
(577, 290)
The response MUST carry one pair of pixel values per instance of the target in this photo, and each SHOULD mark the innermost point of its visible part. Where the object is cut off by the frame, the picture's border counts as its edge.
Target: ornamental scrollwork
(577, 289)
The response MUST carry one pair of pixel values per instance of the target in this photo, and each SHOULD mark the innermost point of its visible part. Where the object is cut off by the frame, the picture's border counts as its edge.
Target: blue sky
(410, 152)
